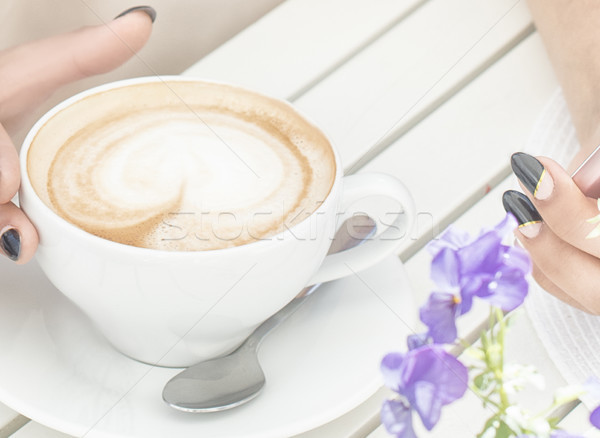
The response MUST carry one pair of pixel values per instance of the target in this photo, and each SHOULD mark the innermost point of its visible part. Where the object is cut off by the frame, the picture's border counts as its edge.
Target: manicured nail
(147, 9)
(10, 242)
(533, 175)
(521, 207)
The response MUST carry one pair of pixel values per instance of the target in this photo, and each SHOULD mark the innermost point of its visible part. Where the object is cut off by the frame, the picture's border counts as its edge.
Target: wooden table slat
(406, 74)
(7, 416)
(312, 38)
(36, 430)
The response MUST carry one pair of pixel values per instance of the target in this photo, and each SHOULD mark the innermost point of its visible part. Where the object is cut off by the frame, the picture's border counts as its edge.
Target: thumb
(31, 72)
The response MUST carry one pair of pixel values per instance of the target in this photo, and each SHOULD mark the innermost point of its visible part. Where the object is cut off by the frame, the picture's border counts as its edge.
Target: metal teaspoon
(229, 381)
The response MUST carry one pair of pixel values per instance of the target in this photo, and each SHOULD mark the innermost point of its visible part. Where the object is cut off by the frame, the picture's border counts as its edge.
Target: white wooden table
(436, 92)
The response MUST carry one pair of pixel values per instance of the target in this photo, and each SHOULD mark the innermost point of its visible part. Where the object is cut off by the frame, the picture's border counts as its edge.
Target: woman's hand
(553, 216)
(32, 72)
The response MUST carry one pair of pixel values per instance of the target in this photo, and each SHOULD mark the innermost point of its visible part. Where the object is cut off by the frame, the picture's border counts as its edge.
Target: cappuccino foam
(181, 165)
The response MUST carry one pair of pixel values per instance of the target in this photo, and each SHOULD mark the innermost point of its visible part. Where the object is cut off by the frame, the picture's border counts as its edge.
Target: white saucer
(322, 362)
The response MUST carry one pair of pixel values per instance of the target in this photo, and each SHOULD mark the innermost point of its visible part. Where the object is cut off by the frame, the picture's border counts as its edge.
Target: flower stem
(493, 349)
(485, 398)
(500, 371)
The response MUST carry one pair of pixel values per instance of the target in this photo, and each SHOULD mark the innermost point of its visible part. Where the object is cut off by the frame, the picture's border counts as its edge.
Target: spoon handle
(253, 341)
(353, 232)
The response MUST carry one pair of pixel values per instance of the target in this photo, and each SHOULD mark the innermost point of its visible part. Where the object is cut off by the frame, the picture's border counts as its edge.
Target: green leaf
(484, 381)
(495, 356)
(489, 424)
(503, 431)
(485, 340)
(501, 428)
(478, 381)
(553, 422)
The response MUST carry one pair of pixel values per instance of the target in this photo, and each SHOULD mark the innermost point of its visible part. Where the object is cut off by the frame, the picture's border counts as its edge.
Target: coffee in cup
(182, 166)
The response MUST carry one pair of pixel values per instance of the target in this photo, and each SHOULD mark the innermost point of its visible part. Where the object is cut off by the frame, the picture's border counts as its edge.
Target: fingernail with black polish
(532, 174)
(526, 214)
(147, 9)
(10, 242)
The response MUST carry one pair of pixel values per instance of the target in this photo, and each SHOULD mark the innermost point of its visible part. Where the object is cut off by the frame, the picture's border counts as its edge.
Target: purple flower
(452, 238)
(595, 418)
(439, 314)
(427, 378)
(455, 238)
(464, 268)
(417, 340)
(397, 418)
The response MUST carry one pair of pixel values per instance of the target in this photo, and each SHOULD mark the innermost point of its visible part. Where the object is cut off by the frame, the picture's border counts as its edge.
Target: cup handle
(371, 252)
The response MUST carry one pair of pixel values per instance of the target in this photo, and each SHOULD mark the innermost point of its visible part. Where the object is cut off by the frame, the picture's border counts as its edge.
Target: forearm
(570, 30)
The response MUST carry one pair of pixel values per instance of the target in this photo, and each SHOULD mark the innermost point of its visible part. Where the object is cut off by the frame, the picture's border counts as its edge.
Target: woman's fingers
(566, 271)
(552, 288)
(31, 72)
(569, 269)
(18, 237)
(559, 202)
(9, 168)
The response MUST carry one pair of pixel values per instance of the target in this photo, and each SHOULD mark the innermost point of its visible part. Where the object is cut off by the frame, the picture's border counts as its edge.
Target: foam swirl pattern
(180, 175)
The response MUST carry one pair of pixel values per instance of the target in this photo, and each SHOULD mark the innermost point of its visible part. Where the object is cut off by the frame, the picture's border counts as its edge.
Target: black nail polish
(10, 242)
(528, 169)
(518, 204)
(147, 9)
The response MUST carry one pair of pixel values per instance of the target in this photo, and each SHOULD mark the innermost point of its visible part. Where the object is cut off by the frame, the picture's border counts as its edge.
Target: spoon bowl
(232, 380)
(226, 382)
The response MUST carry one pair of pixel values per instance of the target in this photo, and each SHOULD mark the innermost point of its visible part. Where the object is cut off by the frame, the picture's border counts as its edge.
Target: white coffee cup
(175, 308)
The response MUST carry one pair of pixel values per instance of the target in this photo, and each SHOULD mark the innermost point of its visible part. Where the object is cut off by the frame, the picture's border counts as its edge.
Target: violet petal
(439, 315)
(417, 340)
(482, 255)
(434, 364)
(509, 290)
(452, 238)
(397, 419)
(595, 418)
(506, 226)
(427, 404)
(436, 378)
(445, 270)
(391, 366)
(518, 258)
